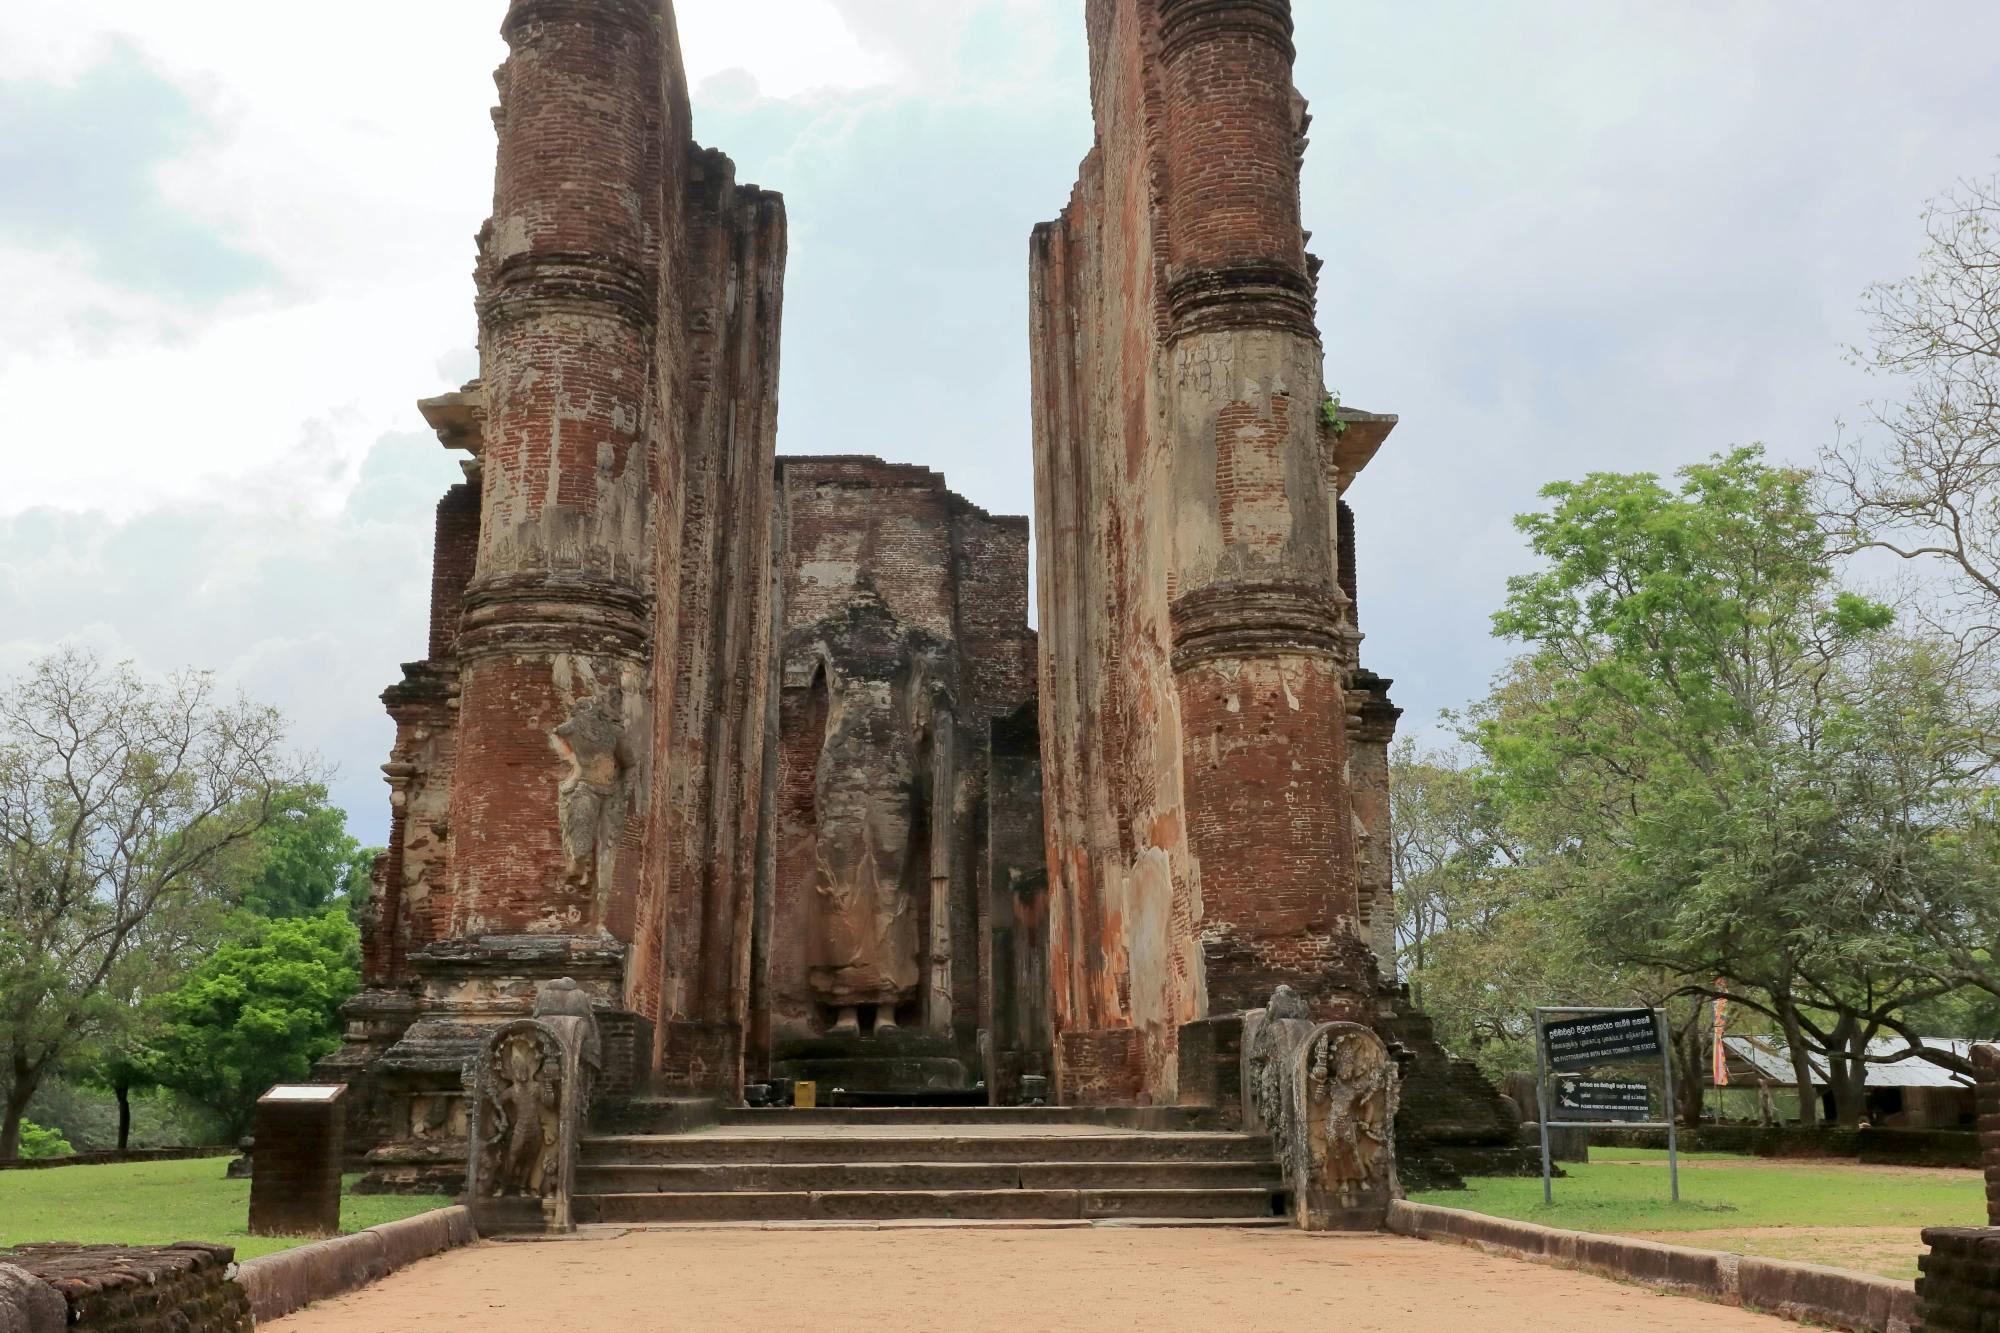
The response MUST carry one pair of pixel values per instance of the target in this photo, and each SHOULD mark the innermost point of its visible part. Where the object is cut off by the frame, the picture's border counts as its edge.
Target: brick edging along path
(290, 1280)
(1857, 1302)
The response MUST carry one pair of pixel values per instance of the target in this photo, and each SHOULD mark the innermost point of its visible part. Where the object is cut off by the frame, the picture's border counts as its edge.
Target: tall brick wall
(700, 865)
(1196, 645)
(578, 762)
(1125, 962)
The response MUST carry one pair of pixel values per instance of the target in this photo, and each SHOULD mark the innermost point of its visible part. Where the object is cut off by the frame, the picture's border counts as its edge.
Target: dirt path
(1161, 1280)
(1889, 1251)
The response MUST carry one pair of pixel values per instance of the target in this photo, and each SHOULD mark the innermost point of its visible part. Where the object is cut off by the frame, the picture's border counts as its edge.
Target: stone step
(1160, 1119)
(877, 1177)
(711, 1149)
(929, 1205)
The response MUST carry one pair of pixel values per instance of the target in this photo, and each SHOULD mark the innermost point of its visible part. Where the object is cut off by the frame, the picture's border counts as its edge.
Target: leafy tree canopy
(305, 860)
(258, 1011)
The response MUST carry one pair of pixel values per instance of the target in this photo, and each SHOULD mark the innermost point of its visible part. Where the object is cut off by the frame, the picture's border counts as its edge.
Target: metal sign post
(1593, 1037)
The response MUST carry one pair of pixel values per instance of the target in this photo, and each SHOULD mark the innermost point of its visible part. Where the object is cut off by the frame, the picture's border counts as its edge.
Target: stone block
(275, 1285)
(28, 1304)
(295, 1190)
(181, 1288)
(1211, 1065)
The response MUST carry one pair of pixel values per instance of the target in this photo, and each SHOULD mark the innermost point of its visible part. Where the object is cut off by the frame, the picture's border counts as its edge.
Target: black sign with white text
(1602, 1039)
(1601, 1099)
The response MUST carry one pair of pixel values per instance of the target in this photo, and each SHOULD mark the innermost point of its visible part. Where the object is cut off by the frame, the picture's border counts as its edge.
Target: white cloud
(1559, 236)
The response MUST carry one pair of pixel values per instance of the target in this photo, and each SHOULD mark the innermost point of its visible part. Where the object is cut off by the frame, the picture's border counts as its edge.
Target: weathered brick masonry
(577, 759)
(1215, 756)
(903, 884)
(136, 1289)
(1960, 1286)
(1197, 642)
(763, 752)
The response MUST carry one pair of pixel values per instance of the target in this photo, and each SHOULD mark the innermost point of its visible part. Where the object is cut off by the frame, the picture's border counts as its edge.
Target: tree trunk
(19, 1093)
(124, 1094)
(1802, 1076)
(1850, 1081)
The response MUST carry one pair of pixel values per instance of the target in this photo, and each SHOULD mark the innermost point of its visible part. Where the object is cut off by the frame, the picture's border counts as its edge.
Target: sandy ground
(1161, 1280)
(1888, 1251)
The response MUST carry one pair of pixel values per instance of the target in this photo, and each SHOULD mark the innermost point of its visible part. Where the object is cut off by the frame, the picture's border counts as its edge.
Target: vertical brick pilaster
(555, 614)
(1986, 1062)
(1260, 632)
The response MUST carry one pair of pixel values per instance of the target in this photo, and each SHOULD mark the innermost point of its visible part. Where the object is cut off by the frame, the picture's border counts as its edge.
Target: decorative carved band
(537, 613)
(1185, 22)
(1246, 296)
(1255, 620)
(636, 15)
(540, 282)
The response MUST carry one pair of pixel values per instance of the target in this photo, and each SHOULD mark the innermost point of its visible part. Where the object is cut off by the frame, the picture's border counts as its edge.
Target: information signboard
(1603, 1039)
(1570, 1040)
(1603, 1099)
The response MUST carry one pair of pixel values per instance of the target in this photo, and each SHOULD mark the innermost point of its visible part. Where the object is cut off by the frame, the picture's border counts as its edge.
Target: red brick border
(1858, 1302)
(281, 1283)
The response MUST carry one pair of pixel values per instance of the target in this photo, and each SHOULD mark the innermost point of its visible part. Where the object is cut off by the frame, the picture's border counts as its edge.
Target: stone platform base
(149, 1289)
(1960, 1289)
(888, 1064)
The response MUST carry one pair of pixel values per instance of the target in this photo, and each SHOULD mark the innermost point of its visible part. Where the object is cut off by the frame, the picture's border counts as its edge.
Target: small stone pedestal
(295, 1190)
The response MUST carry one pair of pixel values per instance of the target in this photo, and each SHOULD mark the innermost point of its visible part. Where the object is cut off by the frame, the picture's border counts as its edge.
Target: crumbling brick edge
(281, 1283)
(1858, 1302)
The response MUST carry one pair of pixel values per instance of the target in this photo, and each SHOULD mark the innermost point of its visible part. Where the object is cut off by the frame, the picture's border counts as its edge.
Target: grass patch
(1619, 1198)
(158, 1203)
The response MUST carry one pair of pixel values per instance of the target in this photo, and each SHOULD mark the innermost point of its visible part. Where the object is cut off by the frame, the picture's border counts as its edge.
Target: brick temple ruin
(763, 752)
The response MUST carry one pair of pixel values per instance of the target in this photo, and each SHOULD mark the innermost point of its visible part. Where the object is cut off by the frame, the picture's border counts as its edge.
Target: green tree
(39, 1144)
(258, 1011)
(306, 861)
(1689, 752)
(123, 805)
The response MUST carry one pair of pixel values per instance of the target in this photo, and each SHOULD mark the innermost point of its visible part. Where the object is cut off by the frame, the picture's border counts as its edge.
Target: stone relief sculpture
(520, 1101)
(867, 874)
(530, 1087)
(596, 743)
(1350, 1090)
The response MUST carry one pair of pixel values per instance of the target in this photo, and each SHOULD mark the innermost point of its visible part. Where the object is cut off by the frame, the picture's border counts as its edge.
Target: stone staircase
(971, 1163)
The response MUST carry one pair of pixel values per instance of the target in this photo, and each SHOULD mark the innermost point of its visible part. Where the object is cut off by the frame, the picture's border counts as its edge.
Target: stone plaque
(295, 1190)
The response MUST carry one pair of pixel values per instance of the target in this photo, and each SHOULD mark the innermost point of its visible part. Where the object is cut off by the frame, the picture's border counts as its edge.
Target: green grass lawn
(1615, 1197)
(158, 1203)
(1729, 1196)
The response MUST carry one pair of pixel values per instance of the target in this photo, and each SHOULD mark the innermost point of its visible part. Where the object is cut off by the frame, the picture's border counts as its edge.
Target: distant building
(1910, 1093)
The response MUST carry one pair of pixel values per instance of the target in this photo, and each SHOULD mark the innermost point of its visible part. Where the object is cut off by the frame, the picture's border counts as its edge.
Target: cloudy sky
(236, 243)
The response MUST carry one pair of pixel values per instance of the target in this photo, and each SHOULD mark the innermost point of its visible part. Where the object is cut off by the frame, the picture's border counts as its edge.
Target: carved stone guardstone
(1326, 1093)
(295, 1190)
(529, 1089)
